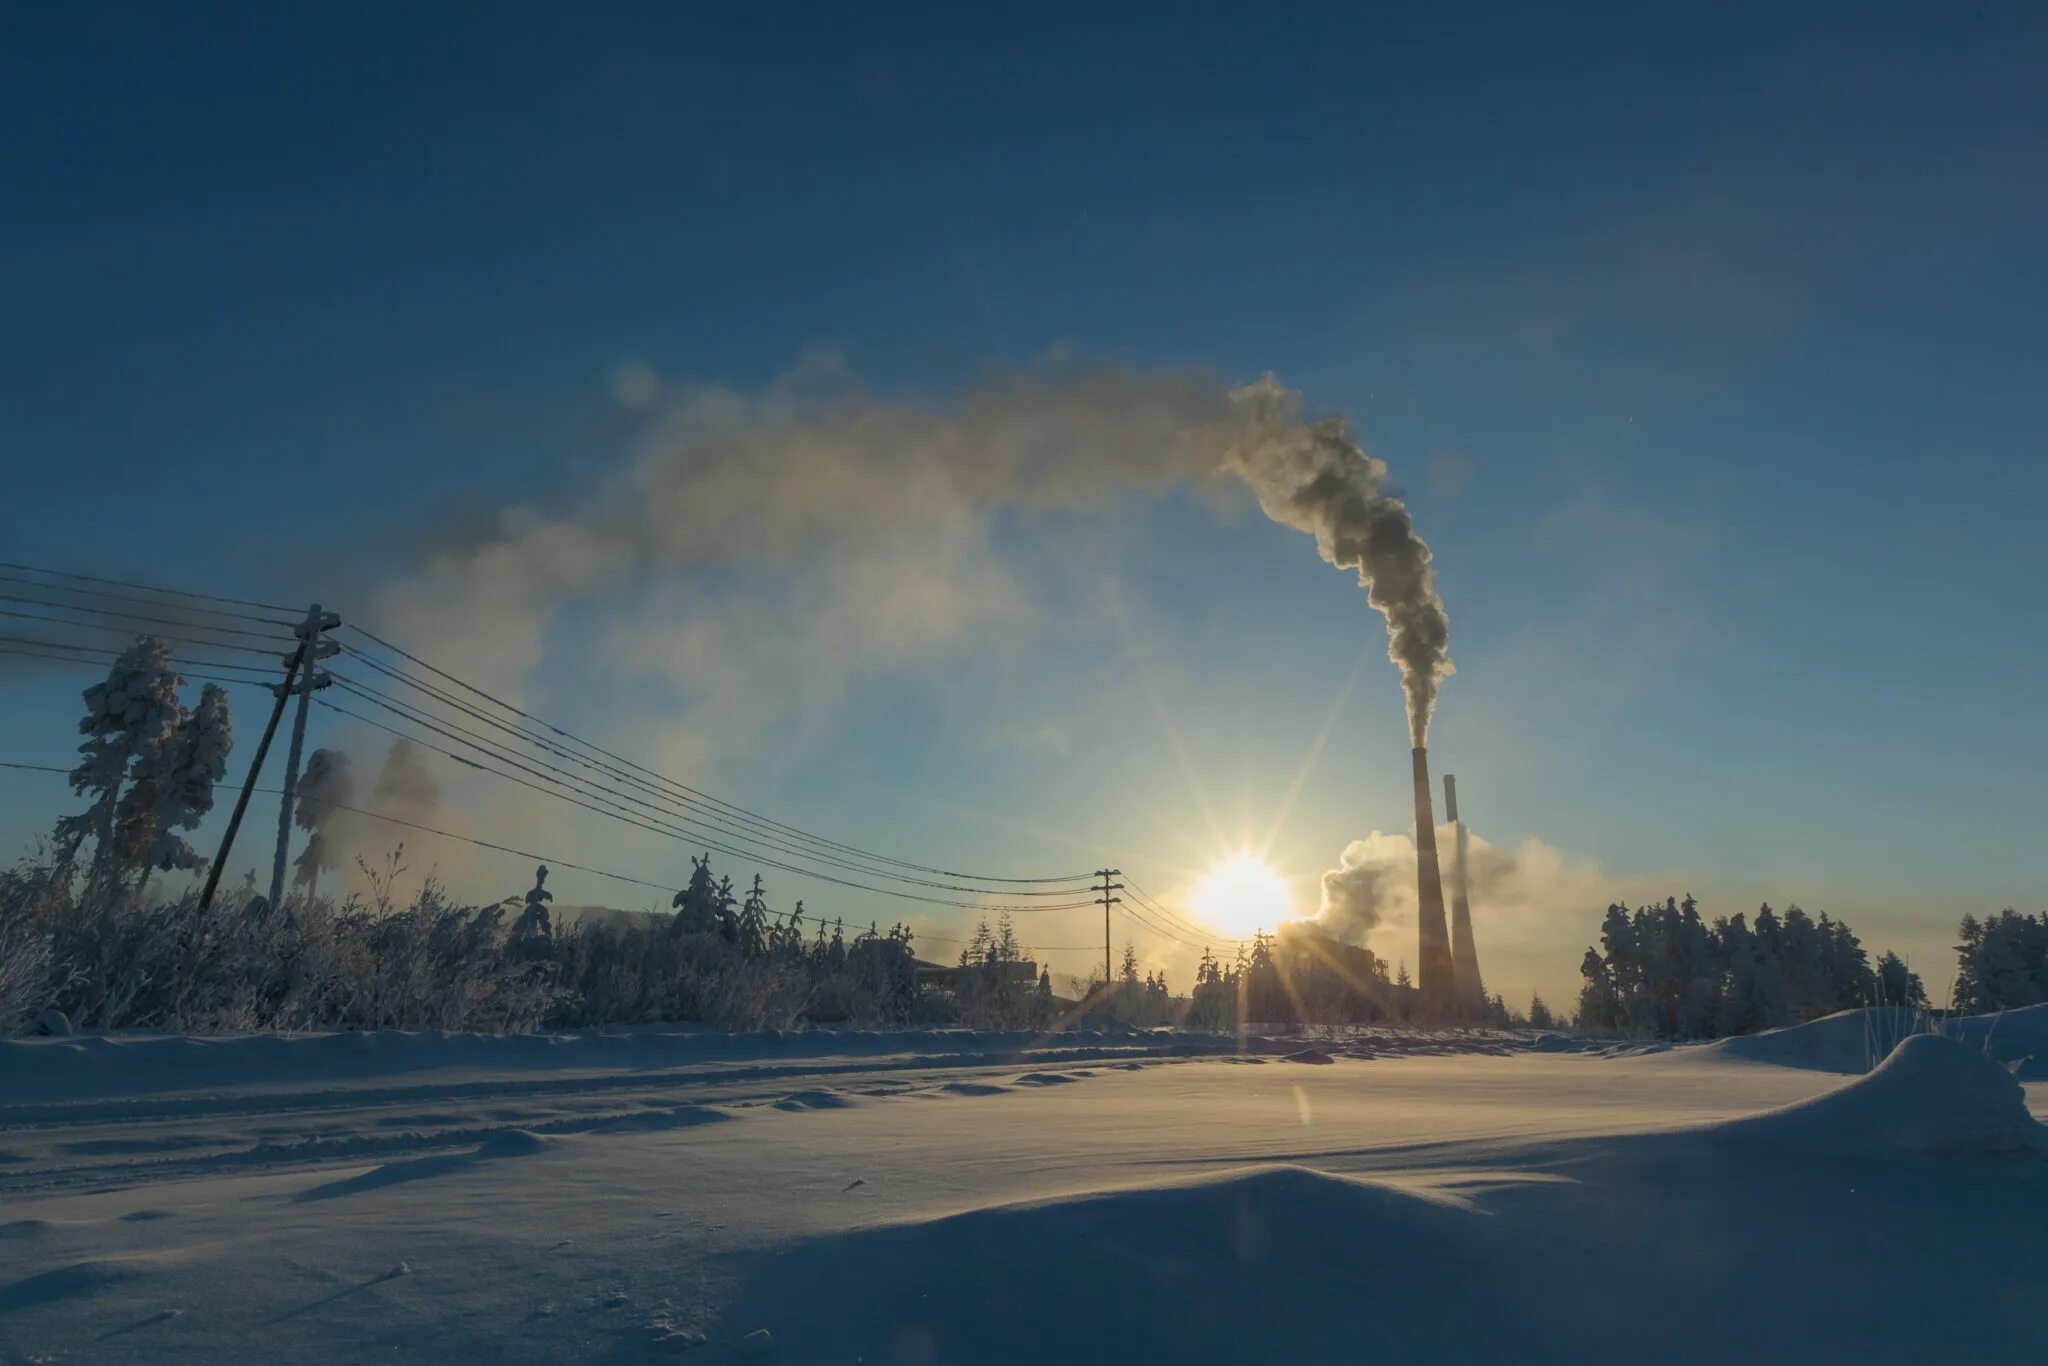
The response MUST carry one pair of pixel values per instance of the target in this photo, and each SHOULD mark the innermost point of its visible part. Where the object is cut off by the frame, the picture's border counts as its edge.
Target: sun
(1242, 895)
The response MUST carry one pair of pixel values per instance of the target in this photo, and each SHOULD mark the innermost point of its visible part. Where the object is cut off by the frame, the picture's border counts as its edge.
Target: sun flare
(1242, 895)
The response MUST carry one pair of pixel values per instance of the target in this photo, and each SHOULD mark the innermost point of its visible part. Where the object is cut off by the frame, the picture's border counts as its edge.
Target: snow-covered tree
(1006, 946)
(696, 906)
(753, 925)
(194, 765)
(130, 724)
(789, 940)
(535, 925)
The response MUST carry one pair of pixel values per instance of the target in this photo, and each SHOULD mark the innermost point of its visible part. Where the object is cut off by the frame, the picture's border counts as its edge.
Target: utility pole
(227, 840)
(311, 651)
(1107, 901)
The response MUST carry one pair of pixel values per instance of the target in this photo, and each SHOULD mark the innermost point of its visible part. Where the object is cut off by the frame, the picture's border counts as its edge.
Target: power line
(156, 602)
(145, 587)
(1154, 905)
(685, 787)
(713, 812)
(692, 840)
(105, 653)
(1133, 915)
(136, 616)
(669, 811)
(157, 630)
(91, 664)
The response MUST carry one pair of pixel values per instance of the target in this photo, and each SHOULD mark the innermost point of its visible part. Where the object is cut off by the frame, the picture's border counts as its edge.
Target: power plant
(1435, 980)
(1471, 992)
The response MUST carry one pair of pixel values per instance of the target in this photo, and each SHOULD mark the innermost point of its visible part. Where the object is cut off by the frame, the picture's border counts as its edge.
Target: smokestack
(1434, 975)
(1471, 992)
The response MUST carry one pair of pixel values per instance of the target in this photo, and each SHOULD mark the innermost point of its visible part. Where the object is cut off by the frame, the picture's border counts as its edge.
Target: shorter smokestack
(1435, 978)
(1471, 992)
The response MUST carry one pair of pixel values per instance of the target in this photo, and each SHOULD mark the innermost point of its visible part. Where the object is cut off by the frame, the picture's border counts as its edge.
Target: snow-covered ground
(950, 1198)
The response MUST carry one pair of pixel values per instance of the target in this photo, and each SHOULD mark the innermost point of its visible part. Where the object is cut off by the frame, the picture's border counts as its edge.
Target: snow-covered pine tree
(792, 934)
(535, 926)
(753, 926)
(722, 903)
(131, 719)
(696, 906)
(976, 953)
(195, 764)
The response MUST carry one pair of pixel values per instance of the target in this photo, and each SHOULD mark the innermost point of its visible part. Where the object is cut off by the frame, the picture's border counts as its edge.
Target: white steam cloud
(1524, 896)
(874, 514)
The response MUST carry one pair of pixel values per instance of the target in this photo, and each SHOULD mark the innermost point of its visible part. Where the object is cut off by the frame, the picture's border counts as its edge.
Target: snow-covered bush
(24, 975)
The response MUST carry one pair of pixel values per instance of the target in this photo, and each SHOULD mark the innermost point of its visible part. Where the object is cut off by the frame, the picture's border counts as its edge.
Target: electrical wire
(110, 655)
(683, 817)
(158, 631)
(91, 664)
(1152, 903)
(145, 587)
(156, 602)
(686, 788)
(695, 842)
(136, 616)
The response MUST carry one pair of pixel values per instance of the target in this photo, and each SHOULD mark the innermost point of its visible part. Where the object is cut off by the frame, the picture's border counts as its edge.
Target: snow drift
(1932, 1096)
(1855, 1041)
(1248, 1266)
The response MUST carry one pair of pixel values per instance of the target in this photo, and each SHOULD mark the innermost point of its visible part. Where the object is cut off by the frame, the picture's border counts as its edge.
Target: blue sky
(1706, 347)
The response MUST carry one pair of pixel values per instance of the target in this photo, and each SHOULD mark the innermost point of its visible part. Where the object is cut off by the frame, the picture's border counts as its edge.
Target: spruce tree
(753, 923)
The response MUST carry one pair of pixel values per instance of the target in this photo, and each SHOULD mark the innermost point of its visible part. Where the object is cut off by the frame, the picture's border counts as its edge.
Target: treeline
(106, 957)
(1664, 971)
(2002, 962)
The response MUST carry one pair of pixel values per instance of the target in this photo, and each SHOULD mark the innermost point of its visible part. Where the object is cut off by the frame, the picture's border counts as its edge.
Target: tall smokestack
(1471, 991)
(1435, 977)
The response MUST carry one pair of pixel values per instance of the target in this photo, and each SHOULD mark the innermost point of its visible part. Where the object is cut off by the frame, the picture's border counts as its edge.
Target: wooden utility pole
(227, 840)
(312, 650)
(1107, 901)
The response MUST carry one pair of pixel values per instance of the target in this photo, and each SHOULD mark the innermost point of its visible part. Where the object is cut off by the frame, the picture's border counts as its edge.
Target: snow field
(1678, 1206)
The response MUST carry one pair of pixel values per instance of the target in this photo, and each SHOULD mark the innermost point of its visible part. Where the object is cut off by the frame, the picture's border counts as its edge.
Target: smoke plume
(862, 504)
(404, 786)
(1316, 478)
(339, 832)
(1372, 875)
